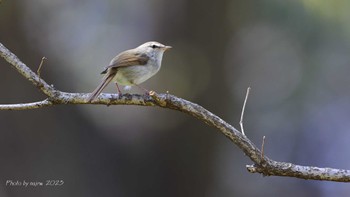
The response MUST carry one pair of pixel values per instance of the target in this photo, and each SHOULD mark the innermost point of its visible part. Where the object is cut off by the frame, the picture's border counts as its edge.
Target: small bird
(132, 67)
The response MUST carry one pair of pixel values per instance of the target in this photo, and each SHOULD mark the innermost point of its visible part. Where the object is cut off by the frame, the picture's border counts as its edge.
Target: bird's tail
(105, 81)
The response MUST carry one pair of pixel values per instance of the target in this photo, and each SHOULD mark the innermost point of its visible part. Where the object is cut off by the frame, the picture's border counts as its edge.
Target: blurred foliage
(294, 55)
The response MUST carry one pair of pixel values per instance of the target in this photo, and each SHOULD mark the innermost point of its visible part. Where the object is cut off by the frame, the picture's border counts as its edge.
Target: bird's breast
(137, 74)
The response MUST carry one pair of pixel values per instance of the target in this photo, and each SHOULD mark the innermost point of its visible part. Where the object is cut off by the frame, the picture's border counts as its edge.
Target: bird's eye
(154, 46)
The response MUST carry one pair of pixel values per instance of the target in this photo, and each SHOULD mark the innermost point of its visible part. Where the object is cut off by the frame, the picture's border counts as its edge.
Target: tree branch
(262, 164)
(25, 106)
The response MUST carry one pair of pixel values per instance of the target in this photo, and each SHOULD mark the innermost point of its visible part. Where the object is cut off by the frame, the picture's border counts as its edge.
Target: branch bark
(262, 164)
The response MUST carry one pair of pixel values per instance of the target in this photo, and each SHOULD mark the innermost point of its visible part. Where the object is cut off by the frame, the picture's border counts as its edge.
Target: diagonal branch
(262, 164)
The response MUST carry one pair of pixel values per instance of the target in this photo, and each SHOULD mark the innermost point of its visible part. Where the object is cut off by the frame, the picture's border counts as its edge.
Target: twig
(262, 148)
(243, 109)
(26, 72)
(161, 102)
(41, 64)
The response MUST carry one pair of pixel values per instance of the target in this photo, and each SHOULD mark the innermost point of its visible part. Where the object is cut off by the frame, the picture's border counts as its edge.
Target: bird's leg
(118, 88)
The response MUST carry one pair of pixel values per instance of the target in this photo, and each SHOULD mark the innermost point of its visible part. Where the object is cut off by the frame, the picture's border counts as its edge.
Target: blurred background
(295, 54)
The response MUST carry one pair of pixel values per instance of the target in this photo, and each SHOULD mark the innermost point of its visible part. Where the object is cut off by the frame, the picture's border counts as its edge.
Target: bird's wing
(127, 58)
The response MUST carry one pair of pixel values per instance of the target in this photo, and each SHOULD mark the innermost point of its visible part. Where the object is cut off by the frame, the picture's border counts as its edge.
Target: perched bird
(132, 67)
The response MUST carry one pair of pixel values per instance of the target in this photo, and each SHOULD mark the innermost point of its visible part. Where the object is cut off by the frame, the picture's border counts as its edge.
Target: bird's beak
(167, 48)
